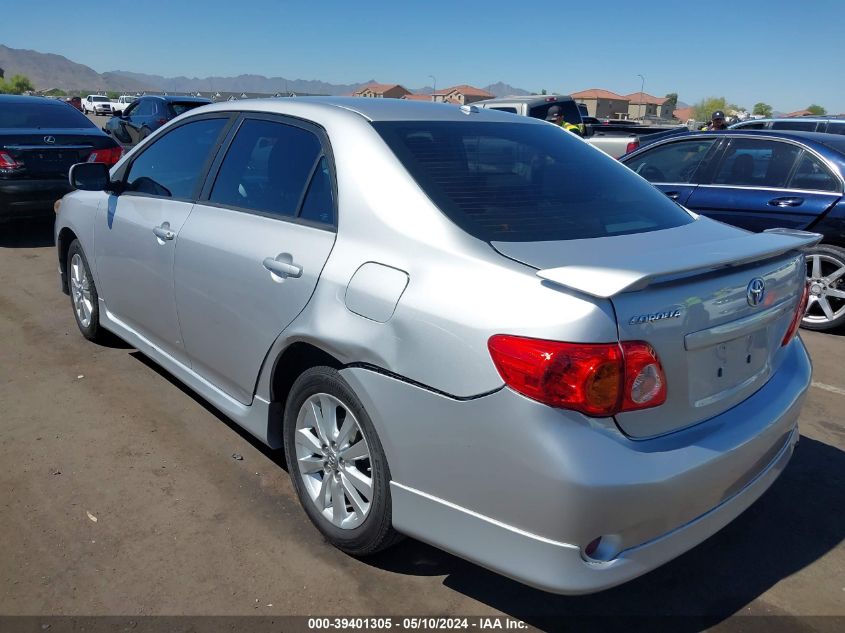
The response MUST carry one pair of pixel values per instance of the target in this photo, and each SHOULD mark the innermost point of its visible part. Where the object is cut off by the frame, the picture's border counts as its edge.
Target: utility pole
(642, 87)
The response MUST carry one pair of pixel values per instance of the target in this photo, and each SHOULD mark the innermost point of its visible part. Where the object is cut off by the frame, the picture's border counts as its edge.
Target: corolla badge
(755, 292)
(651, 317)
(49, 140)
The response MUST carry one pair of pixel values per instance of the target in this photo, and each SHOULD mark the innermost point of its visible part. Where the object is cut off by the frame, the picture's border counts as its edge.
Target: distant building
(603, 104)
(382, 91)
(798, 113)
(684, 114)
(461, 95)
(642, 104)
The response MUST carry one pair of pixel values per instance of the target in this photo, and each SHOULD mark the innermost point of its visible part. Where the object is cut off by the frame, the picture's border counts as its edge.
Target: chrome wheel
(826, 278)
(80, 291)
(333, 459)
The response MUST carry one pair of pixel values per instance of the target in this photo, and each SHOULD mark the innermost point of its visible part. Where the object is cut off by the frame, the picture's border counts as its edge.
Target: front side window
(673, 162)
(525, 182)
(757, 163)
(173, 164)
(267, 168)
(143, 108)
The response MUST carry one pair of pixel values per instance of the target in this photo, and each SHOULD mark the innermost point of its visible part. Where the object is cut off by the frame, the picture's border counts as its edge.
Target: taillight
(630, 147)
(800, 309)
(597, 379)
(108, 155)
(9, 163)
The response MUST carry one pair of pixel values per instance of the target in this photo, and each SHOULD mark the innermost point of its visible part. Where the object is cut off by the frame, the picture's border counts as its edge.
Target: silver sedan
(462, 326)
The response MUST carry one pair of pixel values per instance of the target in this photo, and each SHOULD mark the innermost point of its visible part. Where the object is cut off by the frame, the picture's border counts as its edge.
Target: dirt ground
(121, 496)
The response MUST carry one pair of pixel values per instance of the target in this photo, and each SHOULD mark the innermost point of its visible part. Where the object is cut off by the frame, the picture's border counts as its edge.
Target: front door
(766, 183)
(250, 254)
(137, 231)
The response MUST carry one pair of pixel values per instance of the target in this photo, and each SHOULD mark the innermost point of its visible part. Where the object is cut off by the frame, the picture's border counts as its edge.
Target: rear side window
(803, 126)
(757, 163)
(508, 109)
(267, 168)
(835, 127)
(179, 108)
(173, 164)
(811, 174)
(524, 182)
(672, 163)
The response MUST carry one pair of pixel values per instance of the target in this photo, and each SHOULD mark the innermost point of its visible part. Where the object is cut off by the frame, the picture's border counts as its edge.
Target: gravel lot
(98, 432)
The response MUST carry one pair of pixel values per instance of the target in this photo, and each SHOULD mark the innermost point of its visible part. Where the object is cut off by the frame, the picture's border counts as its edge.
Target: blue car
(147, 114)
(763, 179)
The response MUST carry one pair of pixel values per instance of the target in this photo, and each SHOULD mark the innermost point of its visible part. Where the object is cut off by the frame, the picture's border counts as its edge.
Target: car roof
(23, 100)
(371, 109)
(171, 98)
(811, 119)
(811, 138)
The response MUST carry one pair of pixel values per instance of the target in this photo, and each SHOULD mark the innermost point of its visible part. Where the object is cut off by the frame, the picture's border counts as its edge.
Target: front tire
(337, 463)
(826, 276)
(83, 293)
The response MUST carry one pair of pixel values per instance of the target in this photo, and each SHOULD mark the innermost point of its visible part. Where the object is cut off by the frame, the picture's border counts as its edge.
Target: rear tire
(337, 463)
(83, 293)
(826, 276)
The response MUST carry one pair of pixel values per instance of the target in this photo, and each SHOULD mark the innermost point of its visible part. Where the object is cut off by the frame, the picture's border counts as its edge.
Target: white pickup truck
(97, 104)
(123, 102)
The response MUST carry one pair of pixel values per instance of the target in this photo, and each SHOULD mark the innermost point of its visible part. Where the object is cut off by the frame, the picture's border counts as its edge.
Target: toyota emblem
(49, 140)
(755, 292)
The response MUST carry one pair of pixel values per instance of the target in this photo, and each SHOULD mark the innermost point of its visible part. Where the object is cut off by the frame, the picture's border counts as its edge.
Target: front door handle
(282, 268)
(163, 232)
(672, 195)
(786, 202)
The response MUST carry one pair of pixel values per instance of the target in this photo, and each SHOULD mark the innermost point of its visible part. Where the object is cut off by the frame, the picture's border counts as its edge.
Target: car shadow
(27, 233)
(796, 522)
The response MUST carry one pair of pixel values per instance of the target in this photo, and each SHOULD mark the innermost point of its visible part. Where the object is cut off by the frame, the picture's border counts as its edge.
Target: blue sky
(788, 54)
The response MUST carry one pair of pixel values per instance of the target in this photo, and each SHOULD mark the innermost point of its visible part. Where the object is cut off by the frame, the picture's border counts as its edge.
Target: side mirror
(89, 176)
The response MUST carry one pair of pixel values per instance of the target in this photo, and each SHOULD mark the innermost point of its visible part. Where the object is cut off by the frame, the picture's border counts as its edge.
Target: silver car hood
(604, 267)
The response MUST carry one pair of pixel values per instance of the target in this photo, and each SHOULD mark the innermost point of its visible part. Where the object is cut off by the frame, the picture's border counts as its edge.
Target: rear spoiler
(626, 272)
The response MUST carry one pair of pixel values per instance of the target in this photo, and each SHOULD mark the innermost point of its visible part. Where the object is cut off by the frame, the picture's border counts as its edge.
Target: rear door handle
(786, 202)
(282, 268)
(673, 195)
(163, 232)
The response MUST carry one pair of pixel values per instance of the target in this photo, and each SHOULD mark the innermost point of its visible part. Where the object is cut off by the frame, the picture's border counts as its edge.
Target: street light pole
(433, 87)
(642, 87)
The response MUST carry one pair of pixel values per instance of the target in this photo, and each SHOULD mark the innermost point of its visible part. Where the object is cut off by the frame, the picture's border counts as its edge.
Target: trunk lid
(687, 292)
(51, 152)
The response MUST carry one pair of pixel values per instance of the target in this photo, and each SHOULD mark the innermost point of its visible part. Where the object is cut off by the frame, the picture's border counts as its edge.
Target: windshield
(98, 99)
(519, 182)
(42, 115)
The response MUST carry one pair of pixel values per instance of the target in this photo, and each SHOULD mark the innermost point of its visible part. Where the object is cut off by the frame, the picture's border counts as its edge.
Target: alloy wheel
(826, 278)
(80, 290)
(333, 458)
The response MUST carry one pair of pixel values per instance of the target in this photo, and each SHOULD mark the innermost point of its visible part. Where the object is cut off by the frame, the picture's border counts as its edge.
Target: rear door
(763, 183)
(251, 253)
(674, 167)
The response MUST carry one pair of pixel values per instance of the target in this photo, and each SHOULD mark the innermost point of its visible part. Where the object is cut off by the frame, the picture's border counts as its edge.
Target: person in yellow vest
(717, 122)
(555, 115)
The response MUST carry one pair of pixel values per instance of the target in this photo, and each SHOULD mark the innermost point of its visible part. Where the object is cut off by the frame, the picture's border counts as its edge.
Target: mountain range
(48, 70)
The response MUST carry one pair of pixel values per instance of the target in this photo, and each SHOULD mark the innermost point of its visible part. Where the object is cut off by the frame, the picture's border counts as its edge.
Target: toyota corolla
(462, 326)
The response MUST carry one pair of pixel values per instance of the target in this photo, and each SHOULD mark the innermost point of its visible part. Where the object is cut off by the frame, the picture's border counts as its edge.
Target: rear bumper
(30, 198)
(521, 488)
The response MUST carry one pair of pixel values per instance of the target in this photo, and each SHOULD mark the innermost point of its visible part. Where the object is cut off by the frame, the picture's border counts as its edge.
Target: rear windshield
(41, 115)
(518, 182)
(184, 106)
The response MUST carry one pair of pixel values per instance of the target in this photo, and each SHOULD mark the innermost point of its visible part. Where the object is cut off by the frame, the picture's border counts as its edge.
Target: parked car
(463, 326)
(96, 104)
(147, 114)
(828, 125)
(758, 180)
(123, 102)
(613, 140)
(76, 102)
(39, 140)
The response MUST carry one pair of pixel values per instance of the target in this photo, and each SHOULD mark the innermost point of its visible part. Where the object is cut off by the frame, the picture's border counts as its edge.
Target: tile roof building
(382, 91)
(642, 104)
(603, 104)
(461, 95)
